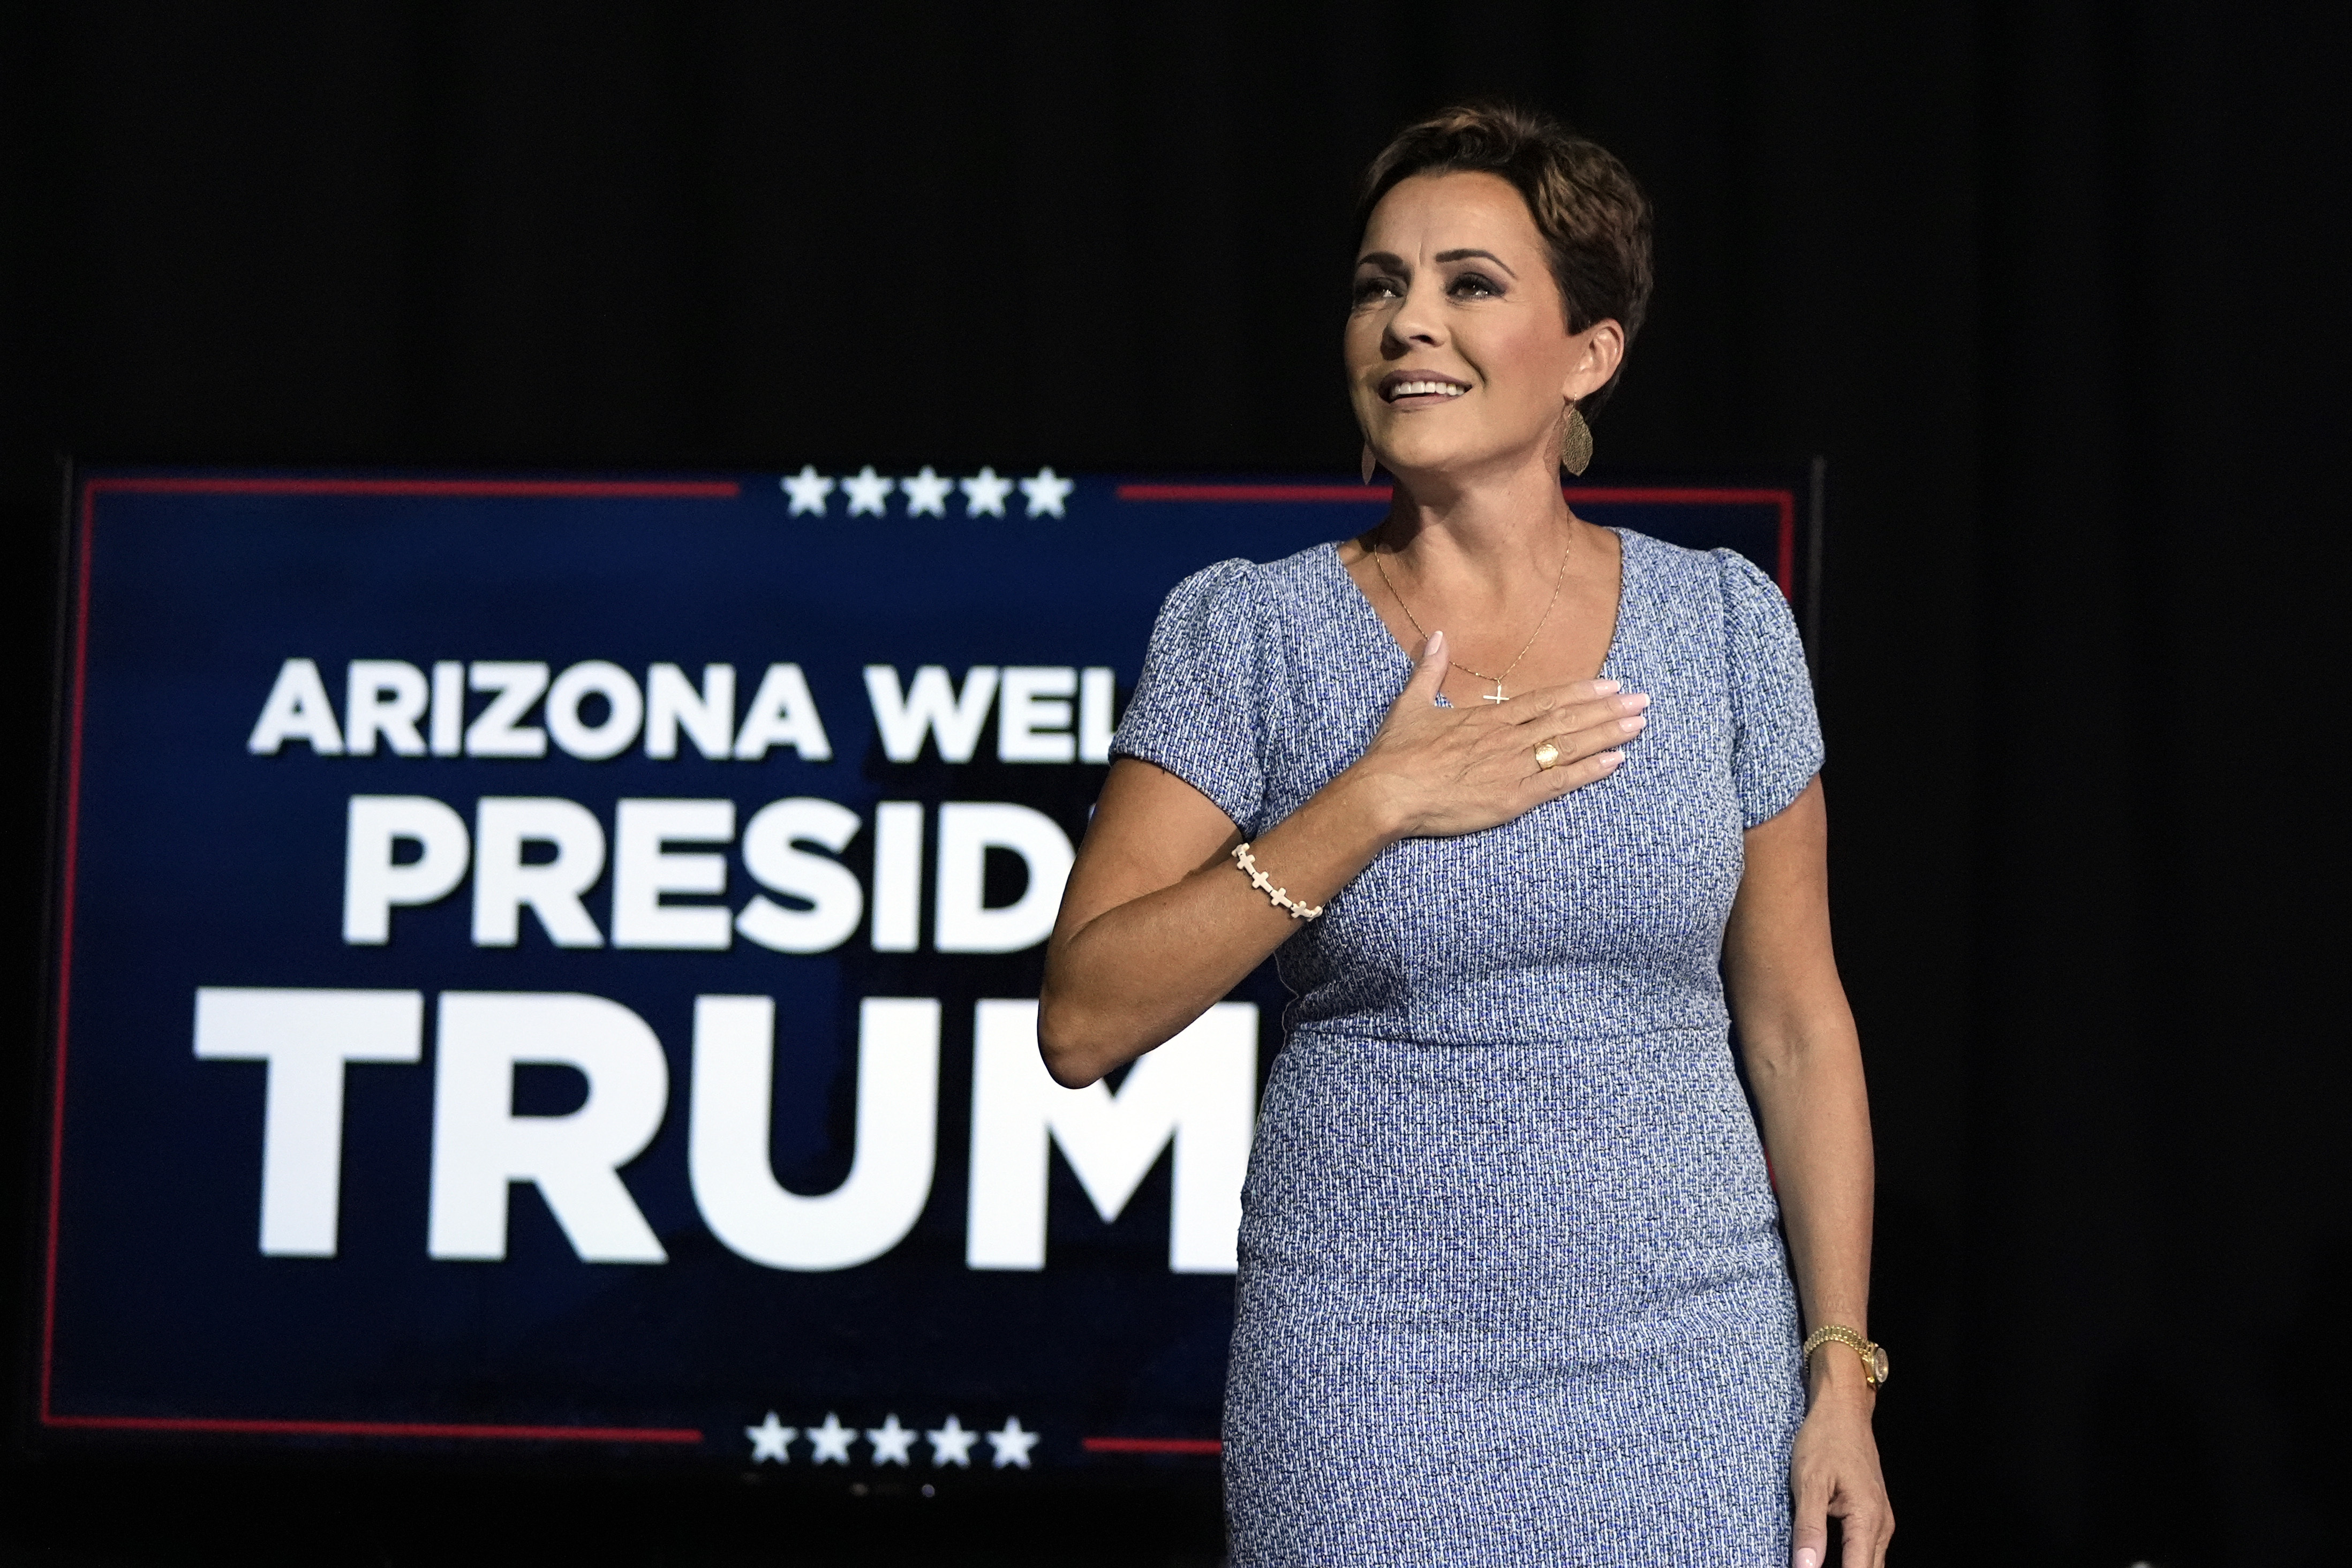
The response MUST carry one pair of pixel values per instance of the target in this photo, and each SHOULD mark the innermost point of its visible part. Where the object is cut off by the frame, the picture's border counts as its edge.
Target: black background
(2055, 287)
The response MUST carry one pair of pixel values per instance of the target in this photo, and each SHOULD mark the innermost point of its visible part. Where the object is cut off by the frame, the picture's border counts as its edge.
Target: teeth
(1426, 388)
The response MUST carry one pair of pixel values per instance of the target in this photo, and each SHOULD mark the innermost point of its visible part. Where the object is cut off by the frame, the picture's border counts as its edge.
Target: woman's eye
(1370, 289)
(1472, 286)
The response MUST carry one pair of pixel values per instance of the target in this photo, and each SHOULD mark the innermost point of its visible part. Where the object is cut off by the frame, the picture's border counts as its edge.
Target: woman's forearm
(1804, 1062)
(1816, 1124)
(1125, 976)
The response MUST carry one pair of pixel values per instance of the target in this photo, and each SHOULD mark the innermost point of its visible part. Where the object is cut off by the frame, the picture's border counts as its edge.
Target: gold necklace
(1496, 695)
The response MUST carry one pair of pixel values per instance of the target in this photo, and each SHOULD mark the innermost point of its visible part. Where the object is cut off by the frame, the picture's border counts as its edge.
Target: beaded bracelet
(1264, 884)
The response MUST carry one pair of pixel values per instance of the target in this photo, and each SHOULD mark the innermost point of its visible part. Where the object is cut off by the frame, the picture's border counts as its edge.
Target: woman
(1513, 1288)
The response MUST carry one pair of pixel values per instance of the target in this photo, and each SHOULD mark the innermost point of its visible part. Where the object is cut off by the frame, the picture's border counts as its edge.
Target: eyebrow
(1466, 255)
(1390, 259)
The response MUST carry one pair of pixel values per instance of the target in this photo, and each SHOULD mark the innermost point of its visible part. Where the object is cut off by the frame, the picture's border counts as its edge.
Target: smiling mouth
(1422, 388)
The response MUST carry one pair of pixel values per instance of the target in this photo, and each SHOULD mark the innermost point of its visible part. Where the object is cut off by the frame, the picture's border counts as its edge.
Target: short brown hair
(1594, 220)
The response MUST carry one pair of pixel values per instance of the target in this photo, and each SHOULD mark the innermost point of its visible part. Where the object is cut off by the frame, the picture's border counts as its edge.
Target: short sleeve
(1197, 709)
(1775, 738)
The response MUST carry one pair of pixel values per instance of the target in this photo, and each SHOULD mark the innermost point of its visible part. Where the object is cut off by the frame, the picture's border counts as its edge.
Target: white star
(808, 490)
(952, 1445)
(1012, 1444)
(890, 1441)
(1047, 491)
(868, 491)
(925, 493)
(984, 492)
(832, 1440)
(769, 1441)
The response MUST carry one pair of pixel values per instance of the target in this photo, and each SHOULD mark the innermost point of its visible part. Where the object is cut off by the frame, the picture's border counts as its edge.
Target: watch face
(1879, 1364)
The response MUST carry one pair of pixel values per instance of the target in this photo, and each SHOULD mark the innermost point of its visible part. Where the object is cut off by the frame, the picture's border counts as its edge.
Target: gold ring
(1547, 756)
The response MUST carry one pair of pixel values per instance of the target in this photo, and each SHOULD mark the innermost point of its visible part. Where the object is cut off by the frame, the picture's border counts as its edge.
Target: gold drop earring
(1368, 462)
(1575, 442)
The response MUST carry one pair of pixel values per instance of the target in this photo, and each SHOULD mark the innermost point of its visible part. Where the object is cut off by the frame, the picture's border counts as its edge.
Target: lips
(1400, 385)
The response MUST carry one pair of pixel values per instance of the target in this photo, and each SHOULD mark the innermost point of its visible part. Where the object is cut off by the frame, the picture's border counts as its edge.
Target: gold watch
(1874, 1356)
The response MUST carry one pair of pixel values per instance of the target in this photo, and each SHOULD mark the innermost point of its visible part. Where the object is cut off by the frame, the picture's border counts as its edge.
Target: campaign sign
(550, 965)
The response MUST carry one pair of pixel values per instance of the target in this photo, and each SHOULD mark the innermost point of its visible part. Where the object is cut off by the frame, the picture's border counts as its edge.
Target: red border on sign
(489, 489)
(1152, 1445)
(379, 1429)
(1784, 502)
(495, 490)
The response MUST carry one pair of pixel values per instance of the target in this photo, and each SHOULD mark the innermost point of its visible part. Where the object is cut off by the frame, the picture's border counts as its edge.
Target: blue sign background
(191, 863)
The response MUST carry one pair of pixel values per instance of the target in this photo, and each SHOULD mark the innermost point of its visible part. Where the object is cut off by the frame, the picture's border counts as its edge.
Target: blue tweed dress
(1512, 1289)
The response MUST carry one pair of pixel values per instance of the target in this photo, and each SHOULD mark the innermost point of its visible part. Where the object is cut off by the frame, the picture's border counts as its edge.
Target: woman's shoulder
(1718, 577)
(1307, 570)
(1255, 590)
(1213, 678)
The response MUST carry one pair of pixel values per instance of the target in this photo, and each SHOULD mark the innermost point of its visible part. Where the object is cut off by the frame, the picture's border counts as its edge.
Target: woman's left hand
(1834, 1471)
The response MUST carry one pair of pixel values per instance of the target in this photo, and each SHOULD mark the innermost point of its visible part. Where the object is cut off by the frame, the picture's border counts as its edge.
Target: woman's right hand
(1156, 922)
(1441, 771)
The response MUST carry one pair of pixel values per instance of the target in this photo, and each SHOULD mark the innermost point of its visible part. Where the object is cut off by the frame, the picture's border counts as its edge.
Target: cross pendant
(1494, 695)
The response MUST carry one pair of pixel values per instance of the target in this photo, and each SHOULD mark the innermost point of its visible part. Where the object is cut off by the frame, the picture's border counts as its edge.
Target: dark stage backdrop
(2054, 288)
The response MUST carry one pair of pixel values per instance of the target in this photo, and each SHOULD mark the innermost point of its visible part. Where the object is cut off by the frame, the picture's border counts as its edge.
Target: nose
(1419, 321)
